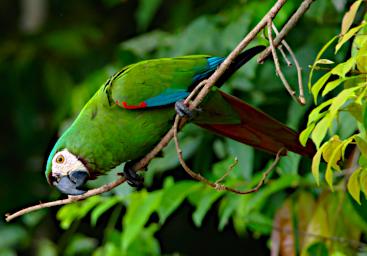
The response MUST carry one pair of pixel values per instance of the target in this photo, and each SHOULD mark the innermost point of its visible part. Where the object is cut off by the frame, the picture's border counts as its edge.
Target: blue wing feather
(168, 96)
(213, 63)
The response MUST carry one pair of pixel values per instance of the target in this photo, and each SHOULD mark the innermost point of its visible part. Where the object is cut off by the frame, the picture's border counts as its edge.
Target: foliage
(61, 66)
(345, 105)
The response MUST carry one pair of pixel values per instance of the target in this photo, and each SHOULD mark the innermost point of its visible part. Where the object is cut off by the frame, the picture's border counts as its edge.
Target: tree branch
(217, 185)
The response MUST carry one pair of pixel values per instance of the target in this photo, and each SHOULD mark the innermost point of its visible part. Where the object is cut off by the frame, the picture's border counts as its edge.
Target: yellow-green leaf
(353, 185)
(356, 110)
(330, 147)
(334, 157)
(362, 145)
(345, 145)
(349, 17)
(329, 178)
(305, 134)
(319, 132)
(316, 164)
(348, 36)
(321, 52)
(363, 181)
(343, 68)
(364, 114)
(342, 97)
(331, 86)
(318, 85)
(324, 62)
(316, 114)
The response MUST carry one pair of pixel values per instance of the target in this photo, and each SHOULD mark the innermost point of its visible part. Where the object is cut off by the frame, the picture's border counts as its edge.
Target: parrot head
(67, 172)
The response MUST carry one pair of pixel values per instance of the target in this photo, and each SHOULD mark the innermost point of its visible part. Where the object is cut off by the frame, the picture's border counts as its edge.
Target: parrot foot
(183, 110)
(133, 179)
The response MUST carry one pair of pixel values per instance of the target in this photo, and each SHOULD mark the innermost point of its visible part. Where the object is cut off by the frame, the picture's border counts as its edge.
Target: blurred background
(55, 54)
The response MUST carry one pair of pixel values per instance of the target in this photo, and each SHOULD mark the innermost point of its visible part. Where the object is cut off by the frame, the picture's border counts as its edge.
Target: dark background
(53, 56)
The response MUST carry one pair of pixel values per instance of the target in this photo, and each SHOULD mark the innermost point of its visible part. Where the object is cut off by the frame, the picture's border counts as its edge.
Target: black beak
(71, 184)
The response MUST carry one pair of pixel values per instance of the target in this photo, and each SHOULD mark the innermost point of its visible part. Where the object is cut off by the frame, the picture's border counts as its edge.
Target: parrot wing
(159, 82)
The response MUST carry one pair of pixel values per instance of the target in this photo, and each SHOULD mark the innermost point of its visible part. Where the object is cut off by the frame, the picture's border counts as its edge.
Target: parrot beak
(71, 184)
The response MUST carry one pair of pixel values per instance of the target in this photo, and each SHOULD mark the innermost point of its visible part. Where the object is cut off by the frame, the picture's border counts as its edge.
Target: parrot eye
(60, 159)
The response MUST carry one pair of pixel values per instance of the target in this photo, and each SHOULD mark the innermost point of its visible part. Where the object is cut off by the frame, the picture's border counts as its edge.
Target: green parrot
(133, 110)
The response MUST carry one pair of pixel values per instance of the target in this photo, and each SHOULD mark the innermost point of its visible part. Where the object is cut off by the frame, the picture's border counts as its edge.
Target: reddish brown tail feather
(260, 130)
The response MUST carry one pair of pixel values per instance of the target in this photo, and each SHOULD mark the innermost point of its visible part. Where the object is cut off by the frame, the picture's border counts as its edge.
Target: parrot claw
(183, 110)
(133, 179)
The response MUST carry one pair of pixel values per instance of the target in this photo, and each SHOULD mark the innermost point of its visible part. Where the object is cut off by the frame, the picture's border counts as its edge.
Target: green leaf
(362, 145)
(319, 132)
(315, 89)
(260, 223)
(203, 203)
(320, 53)
(173, 196)
(315, 167)
(331, 86)
(330, 147)
(364, 114)
(102, 208)
(289, 165)
(147, 244)
(349, 16)
(348, 36)
(354, 186)
(362, 53)
(227, 207)
(316, 113)
(46, 248)
(71, 212)
(329, 178)
(355, 110)
(80, 245)
(363, 181)
(305, 134)
(140, 207)
(324, 62)
(343, 68)
(318, 248)
(362, 161)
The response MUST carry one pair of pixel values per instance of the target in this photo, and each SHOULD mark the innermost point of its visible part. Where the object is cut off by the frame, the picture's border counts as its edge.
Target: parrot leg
(133, 179)
(183, 110)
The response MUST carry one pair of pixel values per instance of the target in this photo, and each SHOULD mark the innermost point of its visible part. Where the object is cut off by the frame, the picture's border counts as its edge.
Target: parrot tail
(259, 130)
(238, 62)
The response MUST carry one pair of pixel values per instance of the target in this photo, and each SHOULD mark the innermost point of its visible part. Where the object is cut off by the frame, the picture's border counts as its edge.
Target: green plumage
(105, 135)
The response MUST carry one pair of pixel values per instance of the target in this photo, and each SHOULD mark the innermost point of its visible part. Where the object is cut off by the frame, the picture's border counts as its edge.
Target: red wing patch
(126, 106)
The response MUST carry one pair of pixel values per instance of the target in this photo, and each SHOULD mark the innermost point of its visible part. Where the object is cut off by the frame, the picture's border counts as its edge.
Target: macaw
(132, 111)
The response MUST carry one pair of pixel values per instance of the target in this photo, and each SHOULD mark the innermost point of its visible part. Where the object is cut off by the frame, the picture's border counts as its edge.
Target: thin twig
(217, 185)
(286, 28)
(230, 169)
(284, 55)
(277, 65)
(301, 97)
(70, 199)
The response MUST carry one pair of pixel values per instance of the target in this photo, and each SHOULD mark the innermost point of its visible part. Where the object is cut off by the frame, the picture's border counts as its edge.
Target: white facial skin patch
(64, 162)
